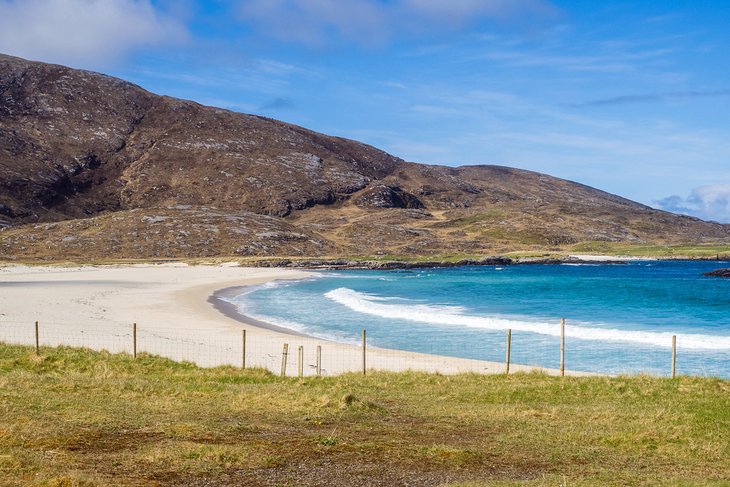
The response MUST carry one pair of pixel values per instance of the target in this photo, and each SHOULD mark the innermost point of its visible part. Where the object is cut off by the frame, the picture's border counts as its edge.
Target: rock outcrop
(384, 196)
(718, 273)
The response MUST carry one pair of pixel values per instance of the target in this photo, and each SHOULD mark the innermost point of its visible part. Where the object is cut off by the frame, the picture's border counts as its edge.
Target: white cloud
(310, 21)
(83, 33)
(710, 202)
(459, 12)
(368, 22)
(612, 62)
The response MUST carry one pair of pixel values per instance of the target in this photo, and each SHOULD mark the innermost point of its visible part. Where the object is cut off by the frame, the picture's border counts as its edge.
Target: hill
(93, 166)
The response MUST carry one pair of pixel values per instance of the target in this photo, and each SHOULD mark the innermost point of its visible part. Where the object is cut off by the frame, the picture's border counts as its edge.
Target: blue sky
(632, 97)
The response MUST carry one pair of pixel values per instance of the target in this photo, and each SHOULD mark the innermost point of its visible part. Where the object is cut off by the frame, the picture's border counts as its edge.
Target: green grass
(76, 417)
(660, 251)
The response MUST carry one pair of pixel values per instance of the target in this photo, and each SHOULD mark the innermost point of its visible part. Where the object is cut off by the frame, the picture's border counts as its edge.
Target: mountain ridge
(78, 145)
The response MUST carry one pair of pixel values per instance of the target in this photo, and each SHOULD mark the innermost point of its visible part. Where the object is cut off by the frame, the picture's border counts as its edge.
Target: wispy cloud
(392, 84)
(84, 33)
(264, 76)
(612, 62)
(460, 12)
(311, 21)
(319, 23)
(438, 111)
(654, 98)
(710, 202)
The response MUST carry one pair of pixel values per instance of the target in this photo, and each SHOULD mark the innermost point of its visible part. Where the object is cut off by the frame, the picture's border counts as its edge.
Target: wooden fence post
(134, 340)
(284, 354)
(674, 356)
(37, 340)
(509, 345)
(562, 347)
(300, 362)
(243, 349)
(364, 352)
(319, 360)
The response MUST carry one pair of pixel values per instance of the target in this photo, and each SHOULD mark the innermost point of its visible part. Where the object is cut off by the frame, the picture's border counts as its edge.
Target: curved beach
(179, 314)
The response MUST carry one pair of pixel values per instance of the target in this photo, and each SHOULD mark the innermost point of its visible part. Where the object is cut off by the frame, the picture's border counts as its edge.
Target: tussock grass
(77, 417)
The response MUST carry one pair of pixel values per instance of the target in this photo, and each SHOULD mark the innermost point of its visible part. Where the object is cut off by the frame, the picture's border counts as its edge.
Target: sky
(631, 97)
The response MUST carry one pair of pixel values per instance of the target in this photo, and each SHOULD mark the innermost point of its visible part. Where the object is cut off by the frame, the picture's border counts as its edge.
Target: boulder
(384, 196)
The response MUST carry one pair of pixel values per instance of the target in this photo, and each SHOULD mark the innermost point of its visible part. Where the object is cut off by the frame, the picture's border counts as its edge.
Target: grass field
(76, 417)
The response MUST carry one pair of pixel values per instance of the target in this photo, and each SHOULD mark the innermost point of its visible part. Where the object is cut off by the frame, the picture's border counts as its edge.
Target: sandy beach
(179, 316)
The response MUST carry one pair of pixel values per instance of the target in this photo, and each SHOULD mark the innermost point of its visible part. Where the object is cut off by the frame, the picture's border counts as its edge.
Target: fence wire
(294, 355)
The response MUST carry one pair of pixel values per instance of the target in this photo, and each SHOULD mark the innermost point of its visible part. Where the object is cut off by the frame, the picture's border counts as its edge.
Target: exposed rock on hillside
(383, 196)
(163, 232)
(75, 143)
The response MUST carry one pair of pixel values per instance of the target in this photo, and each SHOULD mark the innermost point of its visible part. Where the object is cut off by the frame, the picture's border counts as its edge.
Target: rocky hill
(93, 166)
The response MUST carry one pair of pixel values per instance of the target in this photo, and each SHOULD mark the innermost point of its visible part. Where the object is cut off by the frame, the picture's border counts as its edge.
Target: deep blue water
(619, 318)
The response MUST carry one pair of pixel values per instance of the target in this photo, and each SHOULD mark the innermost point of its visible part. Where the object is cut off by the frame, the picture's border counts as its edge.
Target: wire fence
(295, 355)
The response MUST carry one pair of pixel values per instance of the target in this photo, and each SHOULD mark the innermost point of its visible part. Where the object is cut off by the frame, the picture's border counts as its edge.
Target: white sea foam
(301, 328)
(240, 302)
(276, 283)
(454, 316)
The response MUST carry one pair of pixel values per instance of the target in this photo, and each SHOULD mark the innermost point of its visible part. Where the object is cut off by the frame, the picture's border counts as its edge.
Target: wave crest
(384, 307)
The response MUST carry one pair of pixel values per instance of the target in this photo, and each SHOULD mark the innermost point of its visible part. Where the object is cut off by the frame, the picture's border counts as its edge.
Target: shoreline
(217, 299)
(178, 314)
(317, 263)
(230, 310)
(348, 264)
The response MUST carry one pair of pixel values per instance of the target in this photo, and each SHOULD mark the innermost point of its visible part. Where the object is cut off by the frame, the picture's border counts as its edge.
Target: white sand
(606, 258)
(96, 306)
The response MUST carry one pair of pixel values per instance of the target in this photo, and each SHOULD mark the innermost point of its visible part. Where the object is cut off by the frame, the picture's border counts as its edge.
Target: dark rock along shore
(718, 273)
(333, 264)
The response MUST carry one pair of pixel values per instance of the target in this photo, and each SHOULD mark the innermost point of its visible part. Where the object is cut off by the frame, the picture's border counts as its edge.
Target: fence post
(509, 345)
(300, 362)
(134, 340)
(243, 349)
(319, 360)
(562, 347)
(674, 356)
(284, 354)
(37, 340)
(364, 352)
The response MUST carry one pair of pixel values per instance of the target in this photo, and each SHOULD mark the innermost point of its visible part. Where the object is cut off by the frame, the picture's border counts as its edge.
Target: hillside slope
(76, 144)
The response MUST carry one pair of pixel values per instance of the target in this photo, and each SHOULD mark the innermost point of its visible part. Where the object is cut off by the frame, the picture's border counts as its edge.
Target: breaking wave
(394, 308)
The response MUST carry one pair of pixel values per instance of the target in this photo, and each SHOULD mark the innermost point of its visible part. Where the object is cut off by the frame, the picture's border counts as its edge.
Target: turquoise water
(619, 318)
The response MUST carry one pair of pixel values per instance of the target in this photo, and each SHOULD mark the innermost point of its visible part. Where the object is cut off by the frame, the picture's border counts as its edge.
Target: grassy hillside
(76, 417)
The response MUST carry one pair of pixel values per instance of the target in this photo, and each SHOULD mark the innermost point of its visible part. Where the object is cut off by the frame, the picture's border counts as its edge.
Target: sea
(619, 318)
